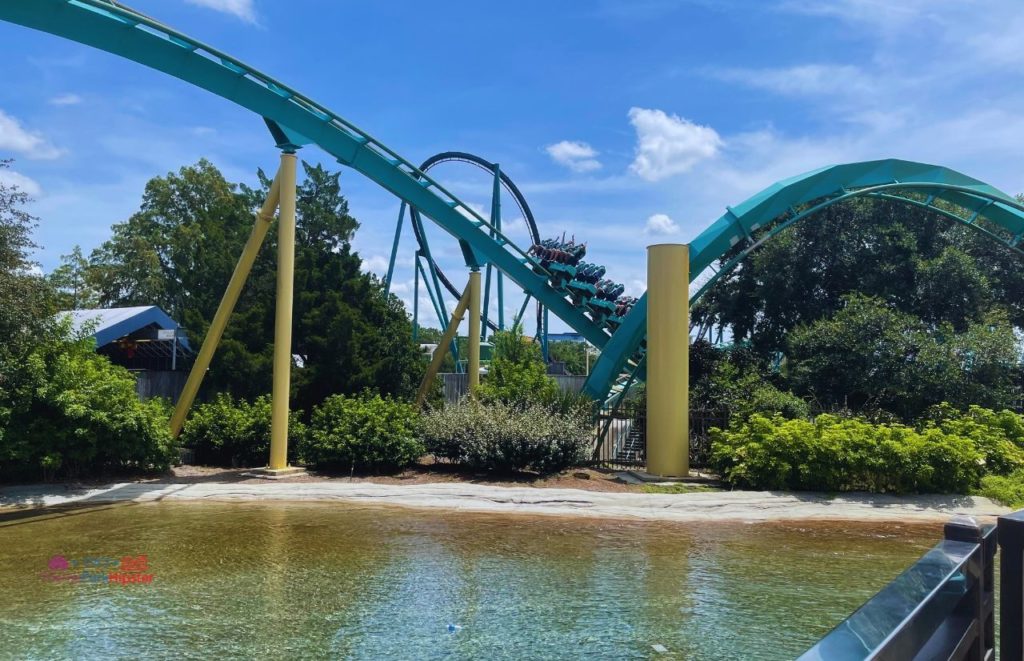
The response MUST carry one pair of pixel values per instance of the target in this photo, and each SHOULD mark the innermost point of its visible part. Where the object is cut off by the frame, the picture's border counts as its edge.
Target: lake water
(342, 581)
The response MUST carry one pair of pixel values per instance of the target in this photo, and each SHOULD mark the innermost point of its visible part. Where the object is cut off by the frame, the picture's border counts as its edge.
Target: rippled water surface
(340, 581)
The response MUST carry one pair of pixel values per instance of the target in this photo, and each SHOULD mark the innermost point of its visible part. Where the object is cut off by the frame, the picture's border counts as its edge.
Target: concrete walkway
(706, 506)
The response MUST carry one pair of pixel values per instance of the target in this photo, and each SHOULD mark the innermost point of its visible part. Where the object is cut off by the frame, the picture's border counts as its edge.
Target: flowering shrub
(504, 437)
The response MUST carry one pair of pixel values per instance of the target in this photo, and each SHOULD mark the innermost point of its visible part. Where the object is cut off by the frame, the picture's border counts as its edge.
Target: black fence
(1011, 586)
(620, 435)
(940, 608)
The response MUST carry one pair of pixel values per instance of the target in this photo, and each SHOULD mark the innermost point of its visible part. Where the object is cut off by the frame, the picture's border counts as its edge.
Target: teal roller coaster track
(296, 120)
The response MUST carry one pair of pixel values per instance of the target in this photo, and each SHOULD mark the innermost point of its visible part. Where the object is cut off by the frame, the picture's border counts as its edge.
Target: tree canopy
(877, 304)
(178, 252)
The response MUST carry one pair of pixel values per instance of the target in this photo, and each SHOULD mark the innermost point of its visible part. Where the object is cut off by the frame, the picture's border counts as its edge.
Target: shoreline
(735, 506)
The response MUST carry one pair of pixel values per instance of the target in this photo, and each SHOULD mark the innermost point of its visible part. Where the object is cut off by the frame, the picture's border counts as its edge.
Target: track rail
(121, 31)
(782, 204)
(506, 182)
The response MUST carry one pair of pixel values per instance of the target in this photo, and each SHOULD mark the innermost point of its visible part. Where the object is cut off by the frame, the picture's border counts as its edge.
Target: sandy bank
(712, 506)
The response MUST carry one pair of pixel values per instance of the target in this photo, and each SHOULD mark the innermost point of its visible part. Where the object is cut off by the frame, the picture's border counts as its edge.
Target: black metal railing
(1011, 586)
(620, 435)
(940, 608)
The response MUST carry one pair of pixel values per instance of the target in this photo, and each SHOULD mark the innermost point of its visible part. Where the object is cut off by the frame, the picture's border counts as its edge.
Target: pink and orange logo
(128, 570)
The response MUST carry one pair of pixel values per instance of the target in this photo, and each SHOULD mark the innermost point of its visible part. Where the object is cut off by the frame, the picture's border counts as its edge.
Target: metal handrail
(939, 608)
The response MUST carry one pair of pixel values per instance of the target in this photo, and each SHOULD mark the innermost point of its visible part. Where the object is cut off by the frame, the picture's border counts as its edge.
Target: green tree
(179, 249)
(26, 302)
(915, 260)
(517, 374)
(573, 354)
(869, 355)
(178, 252)
(72, 282)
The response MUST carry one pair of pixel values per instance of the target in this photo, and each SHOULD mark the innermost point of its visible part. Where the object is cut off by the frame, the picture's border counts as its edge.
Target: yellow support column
(474, 332)
(442, 347)
(668, 360)
(283, 317)
(227, 305)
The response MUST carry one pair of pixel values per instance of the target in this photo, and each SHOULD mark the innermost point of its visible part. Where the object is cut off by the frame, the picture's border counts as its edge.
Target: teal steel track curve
(791, 200)
(109, 27)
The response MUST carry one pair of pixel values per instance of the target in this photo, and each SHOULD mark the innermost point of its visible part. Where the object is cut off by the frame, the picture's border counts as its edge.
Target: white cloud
(575, 155)
(23, 183)
(377, 264)
(243, 9)
(802, 80)
(15, 138)
(66, 100)
(668, 145)
(661, 224)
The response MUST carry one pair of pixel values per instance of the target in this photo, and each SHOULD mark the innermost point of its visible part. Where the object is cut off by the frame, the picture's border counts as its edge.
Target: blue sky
(625, 123)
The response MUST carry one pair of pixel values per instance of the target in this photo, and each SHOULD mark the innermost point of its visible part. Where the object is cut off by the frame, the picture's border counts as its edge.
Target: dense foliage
(734, 383)
(833, 453)
(366, 433)
(234, 432)
(517, 375)
(504, 438)
(868, 355)
(64, 411)
(573, 354)
(67, 412)
(948, 451)
(873, 305)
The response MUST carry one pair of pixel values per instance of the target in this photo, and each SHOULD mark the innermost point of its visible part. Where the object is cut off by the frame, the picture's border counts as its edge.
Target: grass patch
(679, 487)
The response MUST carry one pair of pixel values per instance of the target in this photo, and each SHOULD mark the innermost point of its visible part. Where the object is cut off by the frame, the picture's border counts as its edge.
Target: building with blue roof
(143, 339)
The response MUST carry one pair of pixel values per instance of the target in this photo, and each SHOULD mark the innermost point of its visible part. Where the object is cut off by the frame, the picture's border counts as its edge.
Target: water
(339, 581)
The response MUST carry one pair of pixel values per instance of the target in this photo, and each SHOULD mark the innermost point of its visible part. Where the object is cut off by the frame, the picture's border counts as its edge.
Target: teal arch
(791, 200)
(297, 120)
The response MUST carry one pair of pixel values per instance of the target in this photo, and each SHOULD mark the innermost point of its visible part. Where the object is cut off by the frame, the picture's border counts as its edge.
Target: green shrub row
(234, 432)
(67, 413)
(833, 453)
(504, 437)
(370, 433)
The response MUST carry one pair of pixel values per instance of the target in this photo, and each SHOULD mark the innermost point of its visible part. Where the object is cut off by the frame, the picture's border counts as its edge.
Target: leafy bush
(505, 437)
(999, 436)
(229, 432)
(735, 383)
(1005, 489)
(517, 374)
(67, 412)
(845, 454)
(364, 433)
(767, 399)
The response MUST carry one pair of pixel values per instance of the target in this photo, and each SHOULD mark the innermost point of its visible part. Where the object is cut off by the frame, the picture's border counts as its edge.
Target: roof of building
(565, 337)
(109, 324)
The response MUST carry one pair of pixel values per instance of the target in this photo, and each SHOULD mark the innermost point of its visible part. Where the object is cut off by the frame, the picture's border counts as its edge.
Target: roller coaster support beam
(415, 299)
(394, 249)
(283, 317)
(496, 221)
(668, 378)
(227, 304)
(442, 347)
(474, 331)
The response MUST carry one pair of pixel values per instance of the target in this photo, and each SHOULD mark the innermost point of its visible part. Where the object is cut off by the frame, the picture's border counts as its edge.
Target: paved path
(707, 506)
